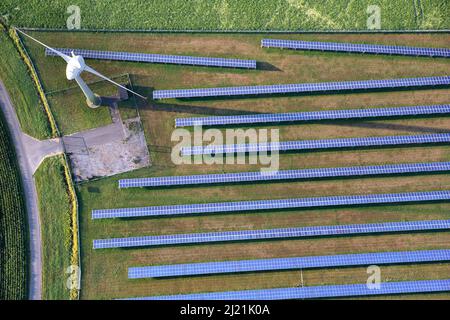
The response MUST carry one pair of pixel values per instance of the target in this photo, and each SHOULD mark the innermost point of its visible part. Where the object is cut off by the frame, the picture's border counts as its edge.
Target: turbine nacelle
(75, 66)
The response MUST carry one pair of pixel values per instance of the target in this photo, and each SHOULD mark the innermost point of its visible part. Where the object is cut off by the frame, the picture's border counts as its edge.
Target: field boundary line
(362, 31)
(75, 257)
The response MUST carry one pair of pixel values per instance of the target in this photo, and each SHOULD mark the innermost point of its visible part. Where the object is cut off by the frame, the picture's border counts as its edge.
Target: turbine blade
(90, 70)
(62, 55)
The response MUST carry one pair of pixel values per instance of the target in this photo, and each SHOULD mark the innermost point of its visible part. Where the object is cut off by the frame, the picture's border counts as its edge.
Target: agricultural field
(229, 14)
(105, 271)
(55, 211)
(13, 224)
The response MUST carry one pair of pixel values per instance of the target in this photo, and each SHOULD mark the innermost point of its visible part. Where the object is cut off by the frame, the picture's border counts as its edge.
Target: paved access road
(29, 188)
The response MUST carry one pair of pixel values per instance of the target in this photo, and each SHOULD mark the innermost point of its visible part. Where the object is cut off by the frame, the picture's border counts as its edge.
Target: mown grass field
(14, 74)
(230, 14)
(105, 271)
(54, 208)
(13, 224)
(71, 114)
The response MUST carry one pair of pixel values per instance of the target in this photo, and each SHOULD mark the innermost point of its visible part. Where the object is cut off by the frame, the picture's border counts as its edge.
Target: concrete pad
(38, 150)
(109, 150)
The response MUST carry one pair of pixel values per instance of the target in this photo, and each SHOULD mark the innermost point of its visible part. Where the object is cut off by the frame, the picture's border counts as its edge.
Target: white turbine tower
(75, 66)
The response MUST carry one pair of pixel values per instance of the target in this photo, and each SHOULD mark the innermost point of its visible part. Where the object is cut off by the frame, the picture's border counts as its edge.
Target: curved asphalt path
(29, 188)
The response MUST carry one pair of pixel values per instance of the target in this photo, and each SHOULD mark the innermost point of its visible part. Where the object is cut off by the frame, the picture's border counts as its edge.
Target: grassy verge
(55, 207)
(230, 14)
(22, 91)
(13, 224)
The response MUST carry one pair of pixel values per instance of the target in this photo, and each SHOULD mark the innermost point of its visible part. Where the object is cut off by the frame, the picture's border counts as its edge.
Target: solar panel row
(315, 144)
(302, 87)
(355, 47)
(239, 206)
(285, 175)
(379, 258)
(348, 290)
(157, 58)
(310, 116)
(283, 233)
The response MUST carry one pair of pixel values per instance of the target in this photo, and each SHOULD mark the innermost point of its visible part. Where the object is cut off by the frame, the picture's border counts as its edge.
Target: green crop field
(229, 14)
(105, 271)
(13, 224)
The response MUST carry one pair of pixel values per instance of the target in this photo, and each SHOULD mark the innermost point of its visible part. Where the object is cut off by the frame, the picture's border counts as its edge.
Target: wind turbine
(75, 66)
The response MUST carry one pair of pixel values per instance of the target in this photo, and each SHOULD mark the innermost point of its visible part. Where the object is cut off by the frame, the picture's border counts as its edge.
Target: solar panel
(283, 233)
(334, 291)
(355, 47)
(312, 116)
(303, 87)
(379, 258)
(157, 58)
(240, 206)
(316, 144)
(285, 175)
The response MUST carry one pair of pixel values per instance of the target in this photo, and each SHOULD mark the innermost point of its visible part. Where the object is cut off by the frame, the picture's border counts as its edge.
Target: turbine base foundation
(97, 103)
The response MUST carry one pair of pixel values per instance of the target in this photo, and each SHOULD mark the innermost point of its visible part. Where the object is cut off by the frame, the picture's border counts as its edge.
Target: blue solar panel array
(284, 233)
(157, 58)
(379, 258)
(303, 87)
(186, 209)
(347, 290)
(311, 116)
(355, 47)
(316, 144)
(285, 175)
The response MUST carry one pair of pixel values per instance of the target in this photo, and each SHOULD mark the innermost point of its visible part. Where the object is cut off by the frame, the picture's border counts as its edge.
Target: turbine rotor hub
(74, 67)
